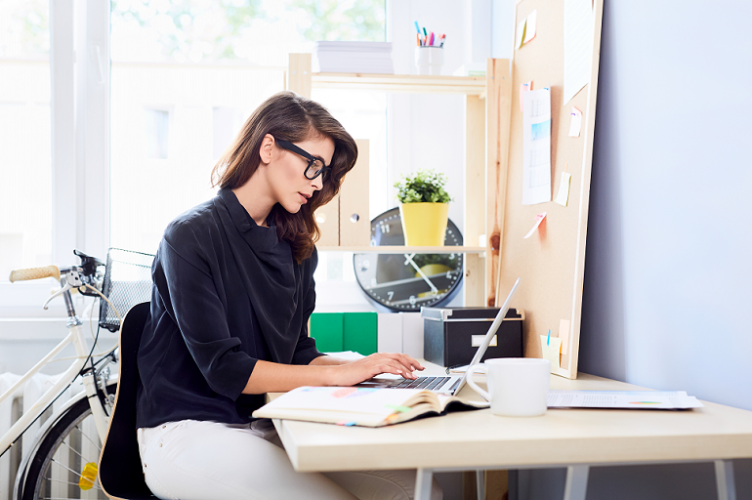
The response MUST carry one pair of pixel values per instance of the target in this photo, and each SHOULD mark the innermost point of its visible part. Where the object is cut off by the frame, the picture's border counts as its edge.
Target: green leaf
(425, 186)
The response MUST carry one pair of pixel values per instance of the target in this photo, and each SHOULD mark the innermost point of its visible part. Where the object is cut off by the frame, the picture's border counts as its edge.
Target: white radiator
(12, 408)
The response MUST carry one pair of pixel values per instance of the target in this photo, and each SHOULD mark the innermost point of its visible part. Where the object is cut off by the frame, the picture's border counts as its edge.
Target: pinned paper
(576, 123)
(524, 87)
(551, 348)
(536, 147)
(578, 46)
(564, 335)
(563, 197)
(530, 26)
(520, 38)
(526, 29)
(538, 219)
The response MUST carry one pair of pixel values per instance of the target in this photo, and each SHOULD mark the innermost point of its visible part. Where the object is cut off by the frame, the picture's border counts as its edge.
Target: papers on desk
(348, 355)
(632, 400)
(463, 369)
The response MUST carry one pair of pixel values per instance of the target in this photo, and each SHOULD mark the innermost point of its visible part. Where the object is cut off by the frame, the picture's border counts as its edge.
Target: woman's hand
(325, 370)
(355, 372)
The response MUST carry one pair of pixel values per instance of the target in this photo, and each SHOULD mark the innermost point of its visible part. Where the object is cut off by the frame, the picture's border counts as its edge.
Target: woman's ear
(267, 149)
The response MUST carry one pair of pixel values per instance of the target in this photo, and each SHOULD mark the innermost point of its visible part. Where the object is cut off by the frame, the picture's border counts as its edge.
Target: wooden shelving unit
(487, 99)
(467, 85)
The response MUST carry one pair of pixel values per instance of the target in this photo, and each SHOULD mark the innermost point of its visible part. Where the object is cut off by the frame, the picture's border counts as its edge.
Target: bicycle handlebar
(35, 273)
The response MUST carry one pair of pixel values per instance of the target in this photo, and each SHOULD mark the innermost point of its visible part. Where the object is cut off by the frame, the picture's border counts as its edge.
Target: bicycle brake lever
(72, 280)
(65, 288)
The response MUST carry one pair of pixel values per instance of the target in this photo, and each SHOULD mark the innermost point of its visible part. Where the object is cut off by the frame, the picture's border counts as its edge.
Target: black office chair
(120, 472)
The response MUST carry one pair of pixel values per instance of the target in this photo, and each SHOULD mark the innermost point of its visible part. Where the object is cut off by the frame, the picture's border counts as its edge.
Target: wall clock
(407, 282)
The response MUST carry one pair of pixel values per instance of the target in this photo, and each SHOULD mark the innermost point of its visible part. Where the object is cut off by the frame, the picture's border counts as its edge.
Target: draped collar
(269, 274)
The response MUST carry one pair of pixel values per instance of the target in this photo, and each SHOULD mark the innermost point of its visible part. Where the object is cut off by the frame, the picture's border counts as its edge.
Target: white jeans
(193, 460)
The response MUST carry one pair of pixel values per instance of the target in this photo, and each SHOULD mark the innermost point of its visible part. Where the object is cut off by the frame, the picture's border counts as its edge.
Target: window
(186, 76)
(25, 145)
(104, 149)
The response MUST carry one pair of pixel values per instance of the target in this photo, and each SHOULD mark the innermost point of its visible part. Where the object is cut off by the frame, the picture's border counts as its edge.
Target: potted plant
(424, 205)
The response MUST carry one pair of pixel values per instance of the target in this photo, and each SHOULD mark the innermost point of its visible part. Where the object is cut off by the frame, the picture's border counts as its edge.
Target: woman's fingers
(395, 369)
(407, 361)
(394, 363)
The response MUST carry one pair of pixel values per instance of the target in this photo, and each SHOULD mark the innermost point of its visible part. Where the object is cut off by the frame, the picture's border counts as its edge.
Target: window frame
(80, 145)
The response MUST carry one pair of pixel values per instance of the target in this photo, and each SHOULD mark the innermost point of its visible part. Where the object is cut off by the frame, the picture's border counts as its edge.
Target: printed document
(536, 144)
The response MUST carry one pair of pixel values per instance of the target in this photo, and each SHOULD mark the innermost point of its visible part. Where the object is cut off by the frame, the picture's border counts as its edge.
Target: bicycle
(62, 459)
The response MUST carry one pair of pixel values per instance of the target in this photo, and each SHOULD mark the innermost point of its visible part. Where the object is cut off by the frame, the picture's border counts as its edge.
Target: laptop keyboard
(428, 383)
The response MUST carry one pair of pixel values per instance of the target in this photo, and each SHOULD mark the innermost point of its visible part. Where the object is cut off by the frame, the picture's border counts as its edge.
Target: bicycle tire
(55, 468)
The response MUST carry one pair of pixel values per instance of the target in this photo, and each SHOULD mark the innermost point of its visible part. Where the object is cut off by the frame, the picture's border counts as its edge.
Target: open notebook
(368, 407)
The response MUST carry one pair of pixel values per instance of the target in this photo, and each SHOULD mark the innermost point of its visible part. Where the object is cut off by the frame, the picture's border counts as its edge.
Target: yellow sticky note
(563, 197)
(520, 39)
(564, 335)
(551, 350)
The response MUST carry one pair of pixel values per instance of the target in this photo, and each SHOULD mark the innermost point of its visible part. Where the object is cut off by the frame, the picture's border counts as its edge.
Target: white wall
(427, 131)
(668, 271)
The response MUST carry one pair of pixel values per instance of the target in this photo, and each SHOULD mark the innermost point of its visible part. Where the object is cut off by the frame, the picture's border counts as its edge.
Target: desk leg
(724, 479)
(480, 484)
(576, 487)
(423, 484)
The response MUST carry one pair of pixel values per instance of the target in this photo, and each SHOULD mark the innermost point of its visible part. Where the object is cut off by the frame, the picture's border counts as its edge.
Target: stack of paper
(353, 57)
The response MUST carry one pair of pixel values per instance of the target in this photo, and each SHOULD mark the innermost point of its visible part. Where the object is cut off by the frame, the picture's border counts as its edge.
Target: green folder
(361, 332)
(328, 330)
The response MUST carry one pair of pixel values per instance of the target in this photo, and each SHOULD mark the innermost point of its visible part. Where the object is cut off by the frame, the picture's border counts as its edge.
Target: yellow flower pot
(424, 224)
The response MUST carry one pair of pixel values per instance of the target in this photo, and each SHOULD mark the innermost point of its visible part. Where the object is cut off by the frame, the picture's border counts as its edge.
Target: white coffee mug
(517, 387)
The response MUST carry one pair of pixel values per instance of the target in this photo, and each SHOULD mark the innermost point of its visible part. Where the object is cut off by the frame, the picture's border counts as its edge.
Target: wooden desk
(575, 439)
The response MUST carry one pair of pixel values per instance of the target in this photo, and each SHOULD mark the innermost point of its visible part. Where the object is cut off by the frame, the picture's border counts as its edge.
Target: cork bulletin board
(551, 262)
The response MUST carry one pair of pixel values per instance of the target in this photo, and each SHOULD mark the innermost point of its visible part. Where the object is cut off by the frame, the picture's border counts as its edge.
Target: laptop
(450, 384)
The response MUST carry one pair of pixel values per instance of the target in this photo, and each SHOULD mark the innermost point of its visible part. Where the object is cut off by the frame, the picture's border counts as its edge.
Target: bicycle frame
(75, 336)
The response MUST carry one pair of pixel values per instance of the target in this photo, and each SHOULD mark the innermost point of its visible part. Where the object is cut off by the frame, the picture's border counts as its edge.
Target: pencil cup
(429, 60)
(517, 387)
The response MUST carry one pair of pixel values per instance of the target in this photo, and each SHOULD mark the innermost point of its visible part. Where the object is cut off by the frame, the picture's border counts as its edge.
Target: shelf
(403, 249)
(466, 85)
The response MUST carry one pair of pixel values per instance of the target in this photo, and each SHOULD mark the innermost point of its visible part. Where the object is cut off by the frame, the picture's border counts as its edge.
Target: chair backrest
(127, 282)
(120, 472)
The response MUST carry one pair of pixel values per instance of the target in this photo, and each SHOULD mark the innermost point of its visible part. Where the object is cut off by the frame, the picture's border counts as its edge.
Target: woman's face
(289, 186)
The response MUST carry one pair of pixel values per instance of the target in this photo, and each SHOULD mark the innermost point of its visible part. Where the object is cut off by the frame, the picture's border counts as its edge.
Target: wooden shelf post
(498, 114)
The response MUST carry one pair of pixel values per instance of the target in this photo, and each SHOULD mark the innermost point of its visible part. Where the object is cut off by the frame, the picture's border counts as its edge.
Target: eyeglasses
(315, 166)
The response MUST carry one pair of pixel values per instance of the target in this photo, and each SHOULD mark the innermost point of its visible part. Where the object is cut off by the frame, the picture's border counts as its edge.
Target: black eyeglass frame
(308, 156)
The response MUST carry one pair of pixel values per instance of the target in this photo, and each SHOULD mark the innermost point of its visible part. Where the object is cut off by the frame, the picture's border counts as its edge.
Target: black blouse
(227, 293)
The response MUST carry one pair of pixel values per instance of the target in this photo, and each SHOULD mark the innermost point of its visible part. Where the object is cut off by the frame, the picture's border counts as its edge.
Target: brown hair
(289, 117)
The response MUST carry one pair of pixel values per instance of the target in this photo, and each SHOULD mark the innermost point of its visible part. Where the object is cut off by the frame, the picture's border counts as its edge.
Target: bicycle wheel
(55, 469)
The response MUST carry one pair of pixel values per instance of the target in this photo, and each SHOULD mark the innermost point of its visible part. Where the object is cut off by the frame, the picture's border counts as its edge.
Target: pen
(431, 38)
(548, 340)
(417, 27)
(417, 39)
(425, 33)
(443, 37)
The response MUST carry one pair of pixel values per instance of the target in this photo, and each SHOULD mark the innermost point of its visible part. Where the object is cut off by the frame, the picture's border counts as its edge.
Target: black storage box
(452, 335)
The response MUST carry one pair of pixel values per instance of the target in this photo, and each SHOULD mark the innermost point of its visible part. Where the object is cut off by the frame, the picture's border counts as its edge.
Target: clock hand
(409, 258)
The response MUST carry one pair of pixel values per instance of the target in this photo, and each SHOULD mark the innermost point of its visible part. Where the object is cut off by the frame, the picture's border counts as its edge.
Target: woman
(233, 290)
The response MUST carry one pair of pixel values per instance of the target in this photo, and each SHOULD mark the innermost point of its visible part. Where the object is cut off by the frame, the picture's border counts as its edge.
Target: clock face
(407, 282)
